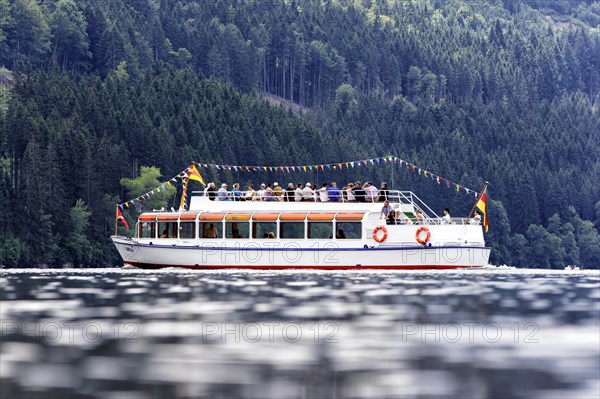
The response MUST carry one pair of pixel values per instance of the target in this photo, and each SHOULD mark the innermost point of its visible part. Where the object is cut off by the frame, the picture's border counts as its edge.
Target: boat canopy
(246, 216)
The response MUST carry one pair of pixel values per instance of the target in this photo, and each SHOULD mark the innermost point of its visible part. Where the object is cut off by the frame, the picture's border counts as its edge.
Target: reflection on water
(126, 333)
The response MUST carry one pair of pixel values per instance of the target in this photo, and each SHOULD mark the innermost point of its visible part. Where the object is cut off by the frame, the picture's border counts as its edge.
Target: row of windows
(246, 230)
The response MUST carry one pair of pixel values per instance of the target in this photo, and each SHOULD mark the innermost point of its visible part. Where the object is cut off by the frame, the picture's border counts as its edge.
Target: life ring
(376, 230)
(418, 235)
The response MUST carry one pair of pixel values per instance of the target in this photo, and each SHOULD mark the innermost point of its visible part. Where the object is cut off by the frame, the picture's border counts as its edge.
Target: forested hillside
(505, 91)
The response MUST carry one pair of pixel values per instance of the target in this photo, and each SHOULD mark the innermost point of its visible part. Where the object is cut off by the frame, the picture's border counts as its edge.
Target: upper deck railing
(393, 196)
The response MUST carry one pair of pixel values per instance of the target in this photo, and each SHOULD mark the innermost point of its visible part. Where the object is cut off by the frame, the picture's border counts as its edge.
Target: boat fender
(420, 240)
(376, 237)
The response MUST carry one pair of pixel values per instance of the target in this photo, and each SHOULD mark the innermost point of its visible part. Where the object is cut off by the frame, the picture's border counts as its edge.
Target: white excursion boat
(215, 234)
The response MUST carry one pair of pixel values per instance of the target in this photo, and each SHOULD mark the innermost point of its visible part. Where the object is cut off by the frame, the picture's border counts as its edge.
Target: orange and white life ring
(418, 235)
(376, 230)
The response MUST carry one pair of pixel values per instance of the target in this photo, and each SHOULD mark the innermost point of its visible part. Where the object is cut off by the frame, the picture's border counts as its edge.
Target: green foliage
(148, 180)
(502, 91)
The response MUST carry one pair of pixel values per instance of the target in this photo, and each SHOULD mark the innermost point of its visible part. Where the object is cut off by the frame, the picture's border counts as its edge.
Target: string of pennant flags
(192, 172)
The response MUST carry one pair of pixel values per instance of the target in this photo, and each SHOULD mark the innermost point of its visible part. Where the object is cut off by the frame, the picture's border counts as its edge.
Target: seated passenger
(165, 234)
(289, 195)
(236, 194)
(391, 218)
(260, 194)
(359, 193)
(476, 219)
(209, 191)
(371, 192)
(250, 193)
(340, 234)
(349, 193)
(307, 193)
(223, 194)
(298, 193)
(211, 232)
(323, 197)
(278, 191)
(333, 192)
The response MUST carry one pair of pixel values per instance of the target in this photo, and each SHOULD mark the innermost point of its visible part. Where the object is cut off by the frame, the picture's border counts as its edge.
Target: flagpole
(116, 219)
(478, 198)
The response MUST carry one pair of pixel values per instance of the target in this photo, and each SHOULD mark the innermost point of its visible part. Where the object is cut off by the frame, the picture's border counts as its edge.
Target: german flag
(482, 206)
(195, 175)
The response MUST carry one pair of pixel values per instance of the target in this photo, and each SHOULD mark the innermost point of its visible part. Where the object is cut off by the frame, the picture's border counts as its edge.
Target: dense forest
(505, 91)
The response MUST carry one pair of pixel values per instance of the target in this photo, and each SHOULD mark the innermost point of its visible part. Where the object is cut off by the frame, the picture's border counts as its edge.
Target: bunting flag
(482, 206)
(195, 175)
(339, 166)
(121, 219)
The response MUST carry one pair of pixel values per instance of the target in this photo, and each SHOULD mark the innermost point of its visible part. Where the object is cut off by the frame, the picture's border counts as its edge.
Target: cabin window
(320, 230)
(187, 230)
(147, 230)
(167, 229)
(264, 230)
(291, 230)
(349, 230)
(237, 230)
(211, 230)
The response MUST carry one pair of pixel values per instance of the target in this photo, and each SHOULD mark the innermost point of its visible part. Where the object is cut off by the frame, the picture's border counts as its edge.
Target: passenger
(476, 219)
(402, 219)
(271, 235)
(289, 193)
(269, 194)
(298, 193)
(333, 192)
(385, 210)
(359, 193)
(212, 231)
(260, 194)
(236, 194)
(323, 197)
(165, 234)
(278, 191)
(340, 234)
(349, 193)
(308, 193)
(250, 193)
(420, 218)
(234, 231)
(371, 192)
(223, 194)
(446, 218)
(383, 192)
(265, 235)
(209, 191)
(391, 217)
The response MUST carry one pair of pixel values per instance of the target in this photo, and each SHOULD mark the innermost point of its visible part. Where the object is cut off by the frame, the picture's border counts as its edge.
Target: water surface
(171, 333)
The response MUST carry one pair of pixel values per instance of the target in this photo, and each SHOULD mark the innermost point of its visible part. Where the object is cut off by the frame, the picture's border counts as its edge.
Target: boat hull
(277, 255)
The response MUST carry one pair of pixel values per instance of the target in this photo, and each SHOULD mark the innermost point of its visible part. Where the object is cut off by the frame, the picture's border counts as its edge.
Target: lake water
(128, 333)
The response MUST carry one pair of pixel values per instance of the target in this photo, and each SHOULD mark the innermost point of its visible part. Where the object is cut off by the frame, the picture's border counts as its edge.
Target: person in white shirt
(260, 194)
(323, 196)
(446, 218)
(250, 193)
(350, 193)
(298, 193)
(371, 192)
(308, 193)
(476, 219)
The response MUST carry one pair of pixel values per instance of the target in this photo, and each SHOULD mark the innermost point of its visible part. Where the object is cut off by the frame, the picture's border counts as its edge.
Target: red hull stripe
(283, 267)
